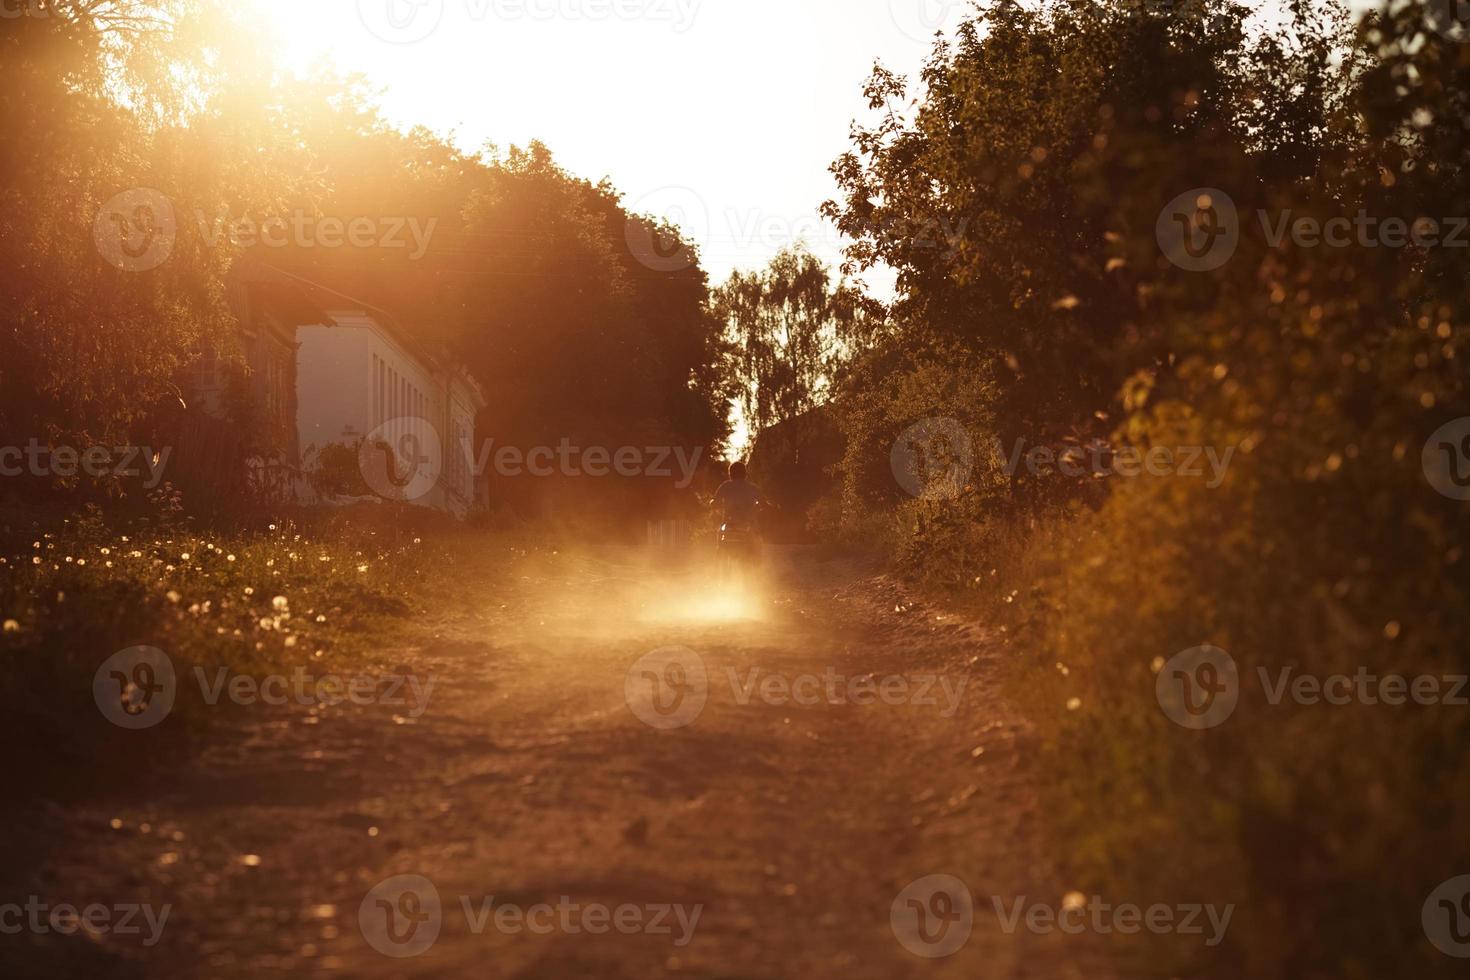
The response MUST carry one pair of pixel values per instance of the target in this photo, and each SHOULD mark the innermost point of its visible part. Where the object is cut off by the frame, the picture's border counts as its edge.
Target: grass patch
(317, 592)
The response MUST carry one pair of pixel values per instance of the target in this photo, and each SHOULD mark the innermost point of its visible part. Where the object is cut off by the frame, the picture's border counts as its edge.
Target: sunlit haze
(465, 512)
(722, 114)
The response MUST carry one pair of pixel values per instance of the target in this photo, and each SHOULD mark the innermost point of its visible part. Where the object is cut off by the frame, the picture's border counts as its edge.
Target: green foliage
(319, 595)
(792, 334)
(1051, 141)
(1040, 148)
(527, 275)
(338, 472)
(572, 334)
(98, 90)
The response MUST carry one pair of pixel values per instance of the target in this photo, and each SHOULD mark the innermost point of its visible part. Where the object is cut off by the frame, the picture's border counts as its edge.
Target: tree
(104, 297)
(792, 333)
(1036, 150)
(152, 127)
(1051, 143)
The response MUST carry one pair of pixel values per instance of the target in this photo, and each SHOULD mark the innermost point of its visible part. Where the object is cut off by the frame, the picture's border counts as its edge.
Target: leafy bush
(1061, 134)
(337, 471)
(257, 600)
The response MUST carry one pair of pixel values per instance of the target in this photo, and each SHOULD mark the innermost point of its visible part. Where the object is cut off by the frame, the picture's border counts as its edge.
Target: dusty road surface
(805, 760)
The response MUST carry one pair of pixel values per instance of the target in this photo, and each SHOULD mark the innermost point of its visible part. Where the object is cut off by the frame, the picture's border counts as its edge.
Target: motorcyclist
(739, 503)
(738, 499)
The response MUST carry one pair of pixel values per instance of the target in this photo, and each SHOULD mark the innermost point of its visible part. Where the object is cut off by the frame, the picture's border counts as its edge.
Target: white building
(338, 382)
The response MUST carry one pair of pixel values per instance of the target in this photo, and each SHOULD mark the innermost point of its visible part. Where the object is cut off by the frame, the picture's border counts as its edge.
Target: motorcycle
(739, 549)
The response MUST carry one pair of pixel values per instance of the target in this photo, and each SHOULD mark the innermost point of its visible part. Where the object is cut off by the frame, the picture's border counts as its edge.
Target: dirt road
(842, 744)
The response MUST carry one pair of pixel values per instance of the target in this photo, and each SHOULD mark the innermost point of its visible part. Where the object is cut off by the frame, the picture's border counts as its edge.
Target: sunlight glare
(711, 603)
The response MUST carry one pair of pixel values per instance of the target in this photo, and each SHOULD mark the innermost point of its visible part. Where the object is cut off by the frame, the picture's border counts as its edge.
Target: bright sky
(722, 115)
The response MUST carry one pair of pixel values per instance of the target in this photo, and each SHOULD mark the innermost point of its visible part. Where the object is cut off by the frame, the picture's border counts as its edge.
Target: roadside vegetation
(533, 279)
(1049, 142)
(319, 594)
(1020, 187)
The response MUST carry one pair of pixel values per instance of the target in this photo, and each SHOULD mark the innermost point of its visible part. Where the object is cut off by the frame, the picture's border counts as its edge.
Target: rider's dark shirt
(738, 500)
